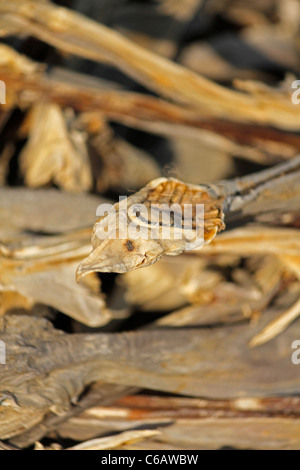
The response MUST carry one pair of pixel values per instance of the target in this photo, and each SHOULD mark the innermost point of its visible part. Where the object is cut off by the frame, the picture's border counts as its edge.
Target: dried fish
(75, 34)
(55, 367)
(184, 325)
(121, 164)
(47, 276)
(54, 153)
(171, 283)
(263, 145)
(44, 211)
(206, 421)
(34, 266)
(116, 254)
(115, 442)
(237, 198)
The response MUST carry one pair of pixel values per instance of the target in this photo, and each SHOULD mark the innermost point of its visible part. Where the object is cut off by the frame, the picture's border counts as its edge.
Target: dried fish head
(165, 217)
(120, 256)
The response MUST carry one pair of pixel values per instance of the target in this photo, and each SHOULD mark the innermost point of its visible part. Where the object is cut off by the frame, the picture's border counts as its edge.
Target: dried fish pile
(113, 343)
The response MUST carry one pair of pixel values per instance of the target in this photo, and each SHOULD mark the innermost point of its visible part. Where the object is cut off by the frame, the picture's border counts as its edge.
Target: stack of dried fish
(191, 351)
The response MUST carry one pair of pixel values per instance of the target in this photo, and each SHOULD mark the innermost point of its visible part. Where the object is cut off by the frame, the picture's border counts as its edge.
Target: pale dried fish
(277, 326)
(98, 394)
(225, 419)
(25, 211)
(113, 253)
(10, 300)
(19, 63)
(45, 273)
(36, 263)
(265, 433)
(73, 33)
(200, 281)
(251, 195)
(19, 66)
(257, 239)
(56, 367)
(54, 153)
(284, 243)
(116, 441)
(171, 283)
(122, 165)
(158, 116)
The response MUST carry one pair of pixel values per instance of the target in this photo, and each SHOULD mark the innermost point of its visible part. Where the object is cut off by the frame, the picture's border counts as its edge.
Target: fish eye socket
(134, 211)
(129, 245)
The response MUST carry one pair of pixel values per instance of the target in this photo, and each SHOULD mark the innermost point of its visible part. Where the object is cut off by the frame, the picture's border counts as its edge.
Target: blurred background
(223, 40)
